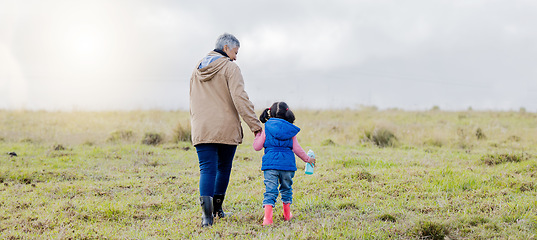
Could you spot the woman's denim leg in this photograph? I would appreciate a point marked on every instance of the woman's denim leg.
(215, 161)
(286, 183)
(226, 153)
(271, 187)
(208, 158)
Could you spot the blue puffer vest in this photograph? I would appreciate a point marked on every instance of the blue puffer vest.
(279, 145)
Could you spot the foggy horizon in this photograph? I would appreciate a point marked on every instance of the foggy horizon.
(135, 55)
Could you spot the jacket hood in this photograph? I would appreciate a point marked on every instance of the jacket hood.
(210, 65)
(281, 129)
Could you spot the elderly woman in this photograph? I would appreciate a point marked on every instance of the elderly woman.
(217, 98)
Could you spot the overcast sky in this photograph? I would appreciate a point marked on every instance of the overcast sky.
(110, 55)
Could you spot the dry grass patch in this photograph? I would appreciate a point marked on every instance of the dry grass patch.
(499, 158)
(182, 133)
(431, 230)
(121, 135)
(381, 137)
(152, 139)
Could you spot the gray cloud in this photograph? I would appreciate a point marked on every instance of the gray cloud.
(336, 54)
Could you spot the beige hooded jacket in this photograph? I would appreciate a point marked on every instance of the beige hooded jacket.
(217, 98)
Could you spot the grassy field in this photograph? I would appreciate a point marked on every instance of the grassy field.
(379, 175)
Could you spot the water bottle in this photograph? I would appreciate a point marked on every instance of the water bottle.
(309, 167)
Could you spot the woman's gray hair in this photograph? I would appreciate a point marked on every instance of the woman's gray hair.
(227, 39)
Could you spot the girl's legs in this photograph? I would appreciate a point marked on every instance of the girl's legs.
(271, 187)
(271, 193)
(267, 219)
(286, 182)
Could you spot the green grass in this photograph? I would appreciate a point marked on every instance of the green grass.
(89, 175)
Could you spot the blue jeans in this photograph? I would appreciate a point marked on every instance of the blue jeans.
(215, 162)
(275, 178)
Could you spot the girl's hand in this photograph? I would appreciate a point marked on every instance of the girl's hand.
(312, 161)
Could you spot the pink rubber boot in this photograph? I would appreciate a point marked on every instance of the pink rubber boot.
(267, 220)
(287, 212)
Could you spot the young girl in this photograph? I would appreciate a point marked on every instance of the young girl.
(279, 141)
